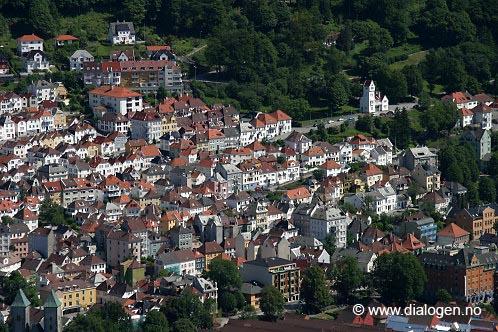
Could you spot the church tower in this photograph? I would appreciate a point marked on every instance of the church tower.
(19, 313)
(52, 313)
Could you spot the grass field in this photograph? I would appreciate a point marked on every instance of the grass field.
(413, 59)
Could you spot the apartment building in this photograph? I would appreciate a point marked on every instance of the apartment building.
(278, 272)
(117, 99)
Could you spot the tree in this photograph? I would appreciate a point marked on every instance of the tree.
(272, 303)
(155, 321)
(348, 277)
(345, 40)
(134, 10)
(227, 276)
(42, 17)
(487, 189)
(188, 306)
(414, 80)
(16, 281)
(392, 83)
(399, 277)
(53, 214)
(87, 322)
(184, 325)
(225, 273)
(443, 295)
(329, 243)
(114, 312)
(339, 95)
(365, 123)
(314, 290)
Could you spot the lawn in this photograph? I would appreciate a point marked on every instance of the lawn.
(186, 45)
(413, 59)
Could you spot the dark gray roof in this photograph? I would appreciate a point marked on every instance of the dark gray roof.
(269, 262)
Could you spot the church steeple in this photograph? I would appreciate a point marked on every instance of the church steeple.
(52, 309)
(19, 312)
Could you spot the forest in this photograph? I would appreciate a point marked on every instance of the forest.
(306, 56)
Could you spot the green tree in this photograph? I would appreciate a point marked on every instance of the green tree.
(184, 325)
(399, 278)
(271, 303)
(348, 277)
(188, 306)
(392, 83)
(414, 80)
(443, 295)
(339, 95)
(155, 321)
(314, 290)
(227, 276)
(87, 322)
(16, 281)
(487, 189)
(42, 16)
(345, 40)
(134, 10)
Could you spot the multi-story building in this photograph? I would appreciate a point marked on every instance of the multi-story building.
(274, 271)
(427, 176)
(42, 240)
(145, 76)
(4, 240)
(418, 156)
(480, 140)
(181, 262)
(74, 294)
(43, 90)
(467, 274)
(114, 122)
(29, 43)
(78, 58)
(146, 125)
(35, 61)
(121, 33)
(77, 189)
(476, 220)
(121, 246)
(116, 99)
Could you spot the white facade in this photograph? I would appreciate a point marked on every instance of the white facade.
(372, 101)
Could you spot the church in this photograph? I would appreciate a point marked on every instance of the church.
(372, 101)
(24, 318)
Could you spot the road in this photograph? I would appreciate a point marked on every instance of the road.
(338, 120)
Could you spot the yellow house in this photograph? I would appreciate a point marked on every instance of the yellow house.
(73, 293)
(91, 148)
(60, 119)
(168, 124)
(210, 250)
(51, 140)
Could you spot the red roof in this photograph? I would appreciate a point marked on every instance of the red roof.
(466, 112)
(371, 170)
(453, 230)
(114, 92)
(29, 38)
(154, 48)
(330, 164)
(65, 38)
(280, 116)
(298, 193)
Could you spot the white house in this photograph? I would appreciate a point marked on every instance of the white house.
(29, 43)
(372, 101)
(146, 125)
(43, 90)
(117, 99)
(79, 57)
(121, 33)
(35, 60)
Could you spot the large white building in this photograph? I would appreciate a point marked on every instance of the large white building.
(117, 99)
(121, 33)
(372, 101)
(29, 43)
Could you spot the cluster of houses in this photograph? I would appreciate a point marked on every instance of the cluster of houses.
(146, 73)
